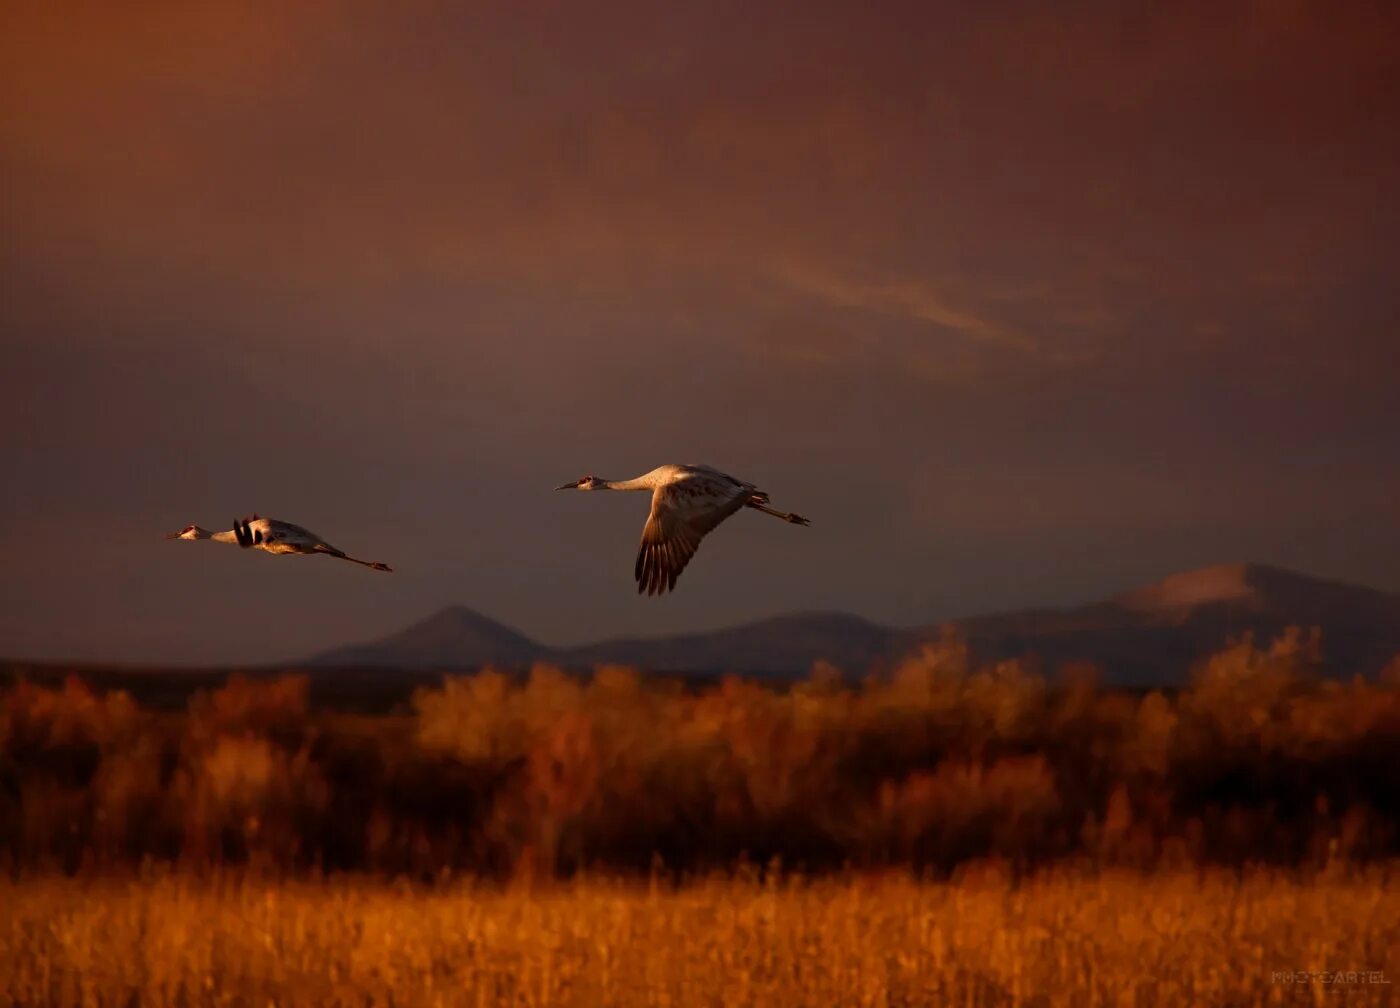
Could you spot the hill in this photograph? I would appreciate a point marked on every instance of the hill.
(452, 637)
(1154, 633)
(1150, 634)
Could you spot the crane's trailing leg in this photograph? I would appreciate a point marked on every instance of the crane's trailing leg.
(373, 565)
(786, 516)
(758, 500)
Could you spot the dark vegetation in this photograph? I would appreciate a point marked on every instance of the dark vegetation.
(928, 765)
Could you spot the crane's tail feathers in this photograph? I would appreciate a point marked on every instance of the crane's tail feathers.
(762, 505)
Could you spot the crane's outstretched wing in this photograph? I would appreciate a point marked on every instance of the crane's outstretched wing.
(281, 531)
(681, 514)
(256, 531)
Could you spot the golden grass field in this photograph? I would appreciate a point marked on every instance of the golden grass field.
(1188, 938)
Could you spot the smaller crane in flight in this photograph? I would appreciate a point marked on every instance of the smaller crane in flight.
(273, 536)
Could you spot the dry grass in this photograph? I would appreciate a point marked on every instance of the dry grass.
(1123, 939)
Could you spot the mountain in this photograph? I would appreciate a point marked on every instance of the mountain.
(1152, 634)
(1262, 590)
(773, 646)
(458, 637)
(454, 637)
(1156, 632)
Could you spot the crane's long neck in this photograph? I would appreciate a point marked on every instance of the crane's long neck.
(640, 483)
(224, 537)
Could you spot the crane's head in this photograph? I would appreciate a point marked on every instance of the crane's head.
(190, 532)
(586, 483)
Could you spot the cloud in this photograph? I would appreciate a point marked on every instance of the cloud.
(907, 299)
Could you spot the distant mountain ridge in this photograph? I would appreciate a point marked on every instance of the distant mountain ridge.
(451, 637)
(1147, 635)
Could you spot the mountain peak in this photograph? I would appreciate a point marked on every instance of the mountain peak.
(458, 617)
(1231, 582)
(453, 636)
(1261, 588)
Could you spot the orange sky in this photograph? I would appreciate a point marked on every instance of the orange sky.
(1018, 309)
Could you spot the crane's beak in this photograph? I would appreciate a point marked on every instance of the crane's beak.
(175, 535)
(569, 486)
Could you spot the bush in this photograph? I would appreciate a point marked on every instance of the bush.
(936, 764)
